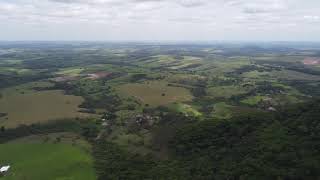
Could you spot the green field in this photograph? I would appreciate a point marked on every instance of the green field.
(33, 107)
(225, 91)
(222, 111)
(254, 100)
(185, 109)
(74, 71)
(46, 162)
(293, 75)
(155, 93)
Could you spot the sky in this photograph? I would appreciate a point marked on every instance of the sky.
(160, 20)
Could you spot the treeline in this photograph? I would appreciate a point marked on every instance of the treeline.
(86, 128)
(252, 145)
(296, 66)
(308, 88)
(97, 94)
(263, 87)
(249, 68)
(7, 80)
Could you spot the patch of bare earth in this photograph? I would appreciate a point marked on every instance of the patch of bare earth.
(311, 61)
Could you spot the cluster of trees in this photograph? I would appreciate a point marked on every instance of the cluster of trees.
(249, 68)
(106, 101)
(3, 114)
(216, 81)
(264, 87)
(97, 94)
(294, 66)
(86, 128)
(309, 88)
(113, 163)
(199, 92)
(138, 77)
(7, 80)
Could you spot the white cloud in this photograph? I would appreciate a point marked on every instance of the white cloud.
(312, 18)
(169, 19)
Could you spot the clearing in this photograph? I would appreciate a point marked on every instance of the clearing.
(25, 106)
(155, 93)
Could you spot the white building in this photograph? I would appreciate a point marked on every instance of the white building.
(4, 169)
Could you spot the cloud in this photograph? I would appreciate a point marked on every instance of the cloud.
(143, 18)
(192, 3)
(259, 6)
(184, 3)
(312, 18)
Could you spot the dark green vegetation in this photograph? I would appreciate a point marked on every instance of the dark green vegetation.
(255, 145)
(223, 111)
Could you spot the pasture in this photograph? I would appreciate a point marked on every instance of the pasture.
(222, 111)
(225, 91)
(294, 75)
(28, 107)
(254, 100)
(155, 93)
(46, 161)
(74, 71)
(186, 109)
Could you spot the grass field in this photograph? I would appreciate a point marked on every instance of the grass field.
(35, 161)
(229, 65)
(19, 71)
(294, 75)
(257, 75)
(155, 93)
(225, 91)
(253, 100)
(33, 107)
(70, 71)
(185, 109)
(222, 111)
(62, 137)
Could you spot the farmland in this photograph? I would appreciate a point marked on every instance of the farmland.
(46, 161)
(26, 106)
(137, 111)
(156, 93)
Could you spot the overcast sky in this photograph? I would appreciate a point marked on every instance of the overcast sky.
(153, 20)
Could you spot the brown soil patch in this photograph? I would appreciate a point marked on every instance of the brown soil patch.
(311, 61)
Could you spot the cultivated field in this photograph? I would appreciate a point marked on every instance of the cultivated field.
(33, 107)
(155, 93)
(225, 91)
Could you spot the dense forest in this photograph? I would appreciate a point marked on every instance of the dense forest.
(255, 145)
